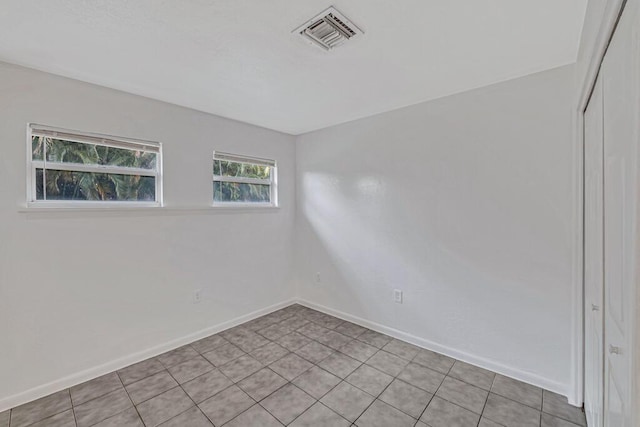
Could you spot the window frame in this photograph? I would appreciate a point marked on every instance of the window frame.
(240, 158)
(82, 137)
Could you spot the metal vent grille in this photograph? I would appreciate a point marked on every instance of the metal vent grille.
(328, 29)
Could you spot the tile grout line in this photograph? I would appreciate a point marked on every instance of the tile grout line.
(73, 406)
(49, 416)
(181, 388)
(486, 401)
(396, 378)
(165, 369)
(302, 373)
(263, 367)
(73, 410)
(541, 411)
(437, 388)
(284, 385)
(277, 390)
(379, 394)
(130, 399)
(226, 388)
(374, 399)
(379, 349)
(436, 391)
(411, 361)
(328, 391)
(361, 364)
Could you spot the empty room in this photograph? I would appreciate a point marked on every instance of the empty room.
(306, 213)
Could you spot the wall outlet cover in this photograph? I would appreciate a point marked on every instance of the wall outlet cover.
(197, 296)
(397, 296)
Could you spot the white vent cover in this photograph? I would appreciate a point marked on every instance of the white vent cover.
(328, 29)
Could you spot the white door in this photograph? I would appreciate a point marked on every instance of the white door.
(593, 259)
(619, 78)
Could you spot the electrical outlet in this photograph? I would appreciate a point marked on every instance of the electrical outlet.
(197, 296)
(397, 296)
(318, 279)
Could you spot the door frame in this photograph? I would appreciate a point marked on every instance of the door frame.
(613, 11)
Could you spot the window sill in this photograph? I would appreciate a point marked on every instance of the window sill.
(145, 210)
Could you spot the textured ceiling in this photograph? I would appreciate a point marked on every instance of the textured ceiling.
(238, 58)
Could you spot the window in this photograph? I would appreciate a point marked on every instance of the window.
(75, 169)
(240, 180)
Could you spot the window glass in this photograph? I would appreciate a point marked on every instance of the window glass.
(62, 151)
(243, 180)
(99, 169)
(240, 192)
(79, 186)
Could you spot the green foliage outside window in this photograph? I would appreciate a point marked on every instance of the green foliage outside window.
(75, 185)
(224, 191)
(242, 170)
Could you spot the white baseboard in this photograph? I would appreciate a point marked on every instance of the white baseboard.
(518, 374)
(91, 373)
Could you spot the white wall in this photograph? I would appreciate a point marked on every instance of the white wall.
(592, 21)
(80, 290)
(450, 201)
(465, 204)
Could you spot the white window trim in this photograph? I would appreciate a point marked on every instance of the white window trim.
(90, 138)
(272, 182)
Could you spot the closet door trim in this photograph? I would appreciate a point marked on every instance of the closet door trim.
(613, 11)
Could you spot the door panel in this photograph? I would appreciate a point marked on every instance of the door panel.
(615, 402)
(617, 242)
(619, 78)
(593, 258)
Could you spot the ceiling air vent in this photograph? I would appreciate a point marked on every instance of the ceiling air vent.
(328, 30)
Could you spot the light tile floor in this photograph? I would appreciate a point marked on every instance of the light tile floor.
(299, 367)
